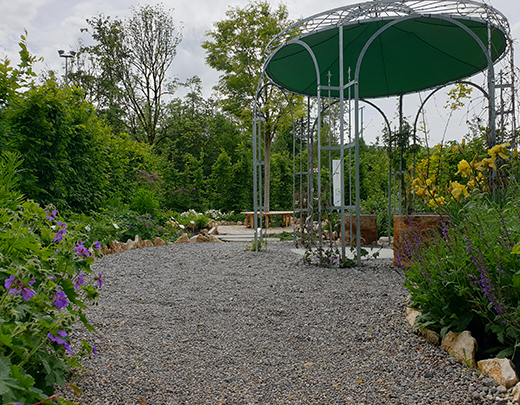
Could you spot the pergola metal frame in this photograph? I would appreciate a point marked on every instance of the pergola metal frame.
(391, 12)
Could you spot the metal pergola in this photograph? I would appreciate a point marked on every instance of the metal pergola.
(356, 53)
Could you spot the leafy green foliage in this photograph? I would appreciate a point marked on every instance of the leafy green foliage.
(467, 276)
(42, 293)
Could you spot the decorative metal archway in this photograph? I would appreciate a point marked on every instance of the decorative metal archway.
(376, 49)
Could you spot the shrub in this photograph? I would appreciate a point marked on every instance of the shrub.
(468, 275)
(45, 286)
(144, 201)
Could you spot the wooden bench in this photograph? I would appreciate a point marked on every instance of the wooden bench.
(287, 217)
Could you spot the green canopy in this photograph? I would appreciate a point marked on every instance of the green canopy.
(414, 54)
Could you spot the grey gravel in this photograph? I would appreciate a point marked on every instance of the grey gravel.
(215, 323)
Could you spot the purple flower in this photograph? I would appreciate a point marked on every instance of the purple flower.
(81, 250)
(78, 281)
(16, 286)
(59, 340)
(59, 235)
(27, 293)
(94, 350)
(99, 279)
(97, 245)
(60, 299)
(51, 215)
(9, 282)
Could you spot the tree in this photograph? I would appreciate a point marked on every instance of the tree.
(130, 61)
(236, 48)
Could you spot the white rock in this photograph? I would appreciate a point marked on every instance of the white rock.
(411, 315)
(516, 393)
(159, 242)
(183, 239)
(462, 346)
(500, 370)
(199, 239)
(214, 239)
(129, 245)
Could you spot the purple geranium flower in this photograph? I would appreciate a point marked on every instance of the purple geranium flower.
(27, 293)
(51, 215)
(78, 281)
(97, 245)
(94, 350)
(59, 236)
(81, 250)
(59, 340)
(60, 299)
(16, 286)
(11, 284)
(99, 279)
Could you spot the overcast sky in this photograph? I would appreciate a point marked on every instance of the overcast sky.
(56, 24)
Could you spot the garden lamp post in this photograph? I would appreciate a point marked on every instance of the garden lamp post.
(65, 55)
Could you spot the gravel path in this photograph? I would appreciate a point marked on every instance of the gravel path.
(215, 323)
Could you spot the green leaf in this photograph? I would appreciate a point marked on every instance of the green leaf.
(516, 280)
(516, 249)
(63, 401)
(26, 381)
(76, 390)
(506, 353)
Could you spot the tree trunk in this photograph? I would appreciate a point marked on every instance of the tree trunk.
(267, 173)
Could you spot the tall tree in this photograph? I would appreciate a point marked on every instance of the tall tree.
(236, 48)
(130, 61)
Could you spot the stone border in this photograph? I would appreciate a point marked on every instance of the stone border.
(462, 347)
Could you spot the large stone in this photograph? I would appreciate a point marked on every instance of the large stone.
(159, 242)
(183, 239)
(199, 239)
(516, 393)
(147, 243)
(500, 370)
(462, 346)
(411, 315)
(138, 242)
(213, 231)
(129, 245)
(214, 239)
(116, 246)
(431, 336)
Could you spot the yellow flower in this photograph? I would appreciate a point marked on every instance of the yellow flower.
(457, 190)
(420, 190)
(485, 163)
(500, 150)
(436, 202)
(464, 168)
(429, 182)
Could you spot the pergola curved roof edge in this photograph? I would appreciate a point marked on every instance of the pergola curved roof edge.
(427, 43)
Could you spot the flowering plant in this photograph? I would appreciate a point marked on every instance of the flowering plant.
(43, 292)
(474, 176)
(468, 275)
